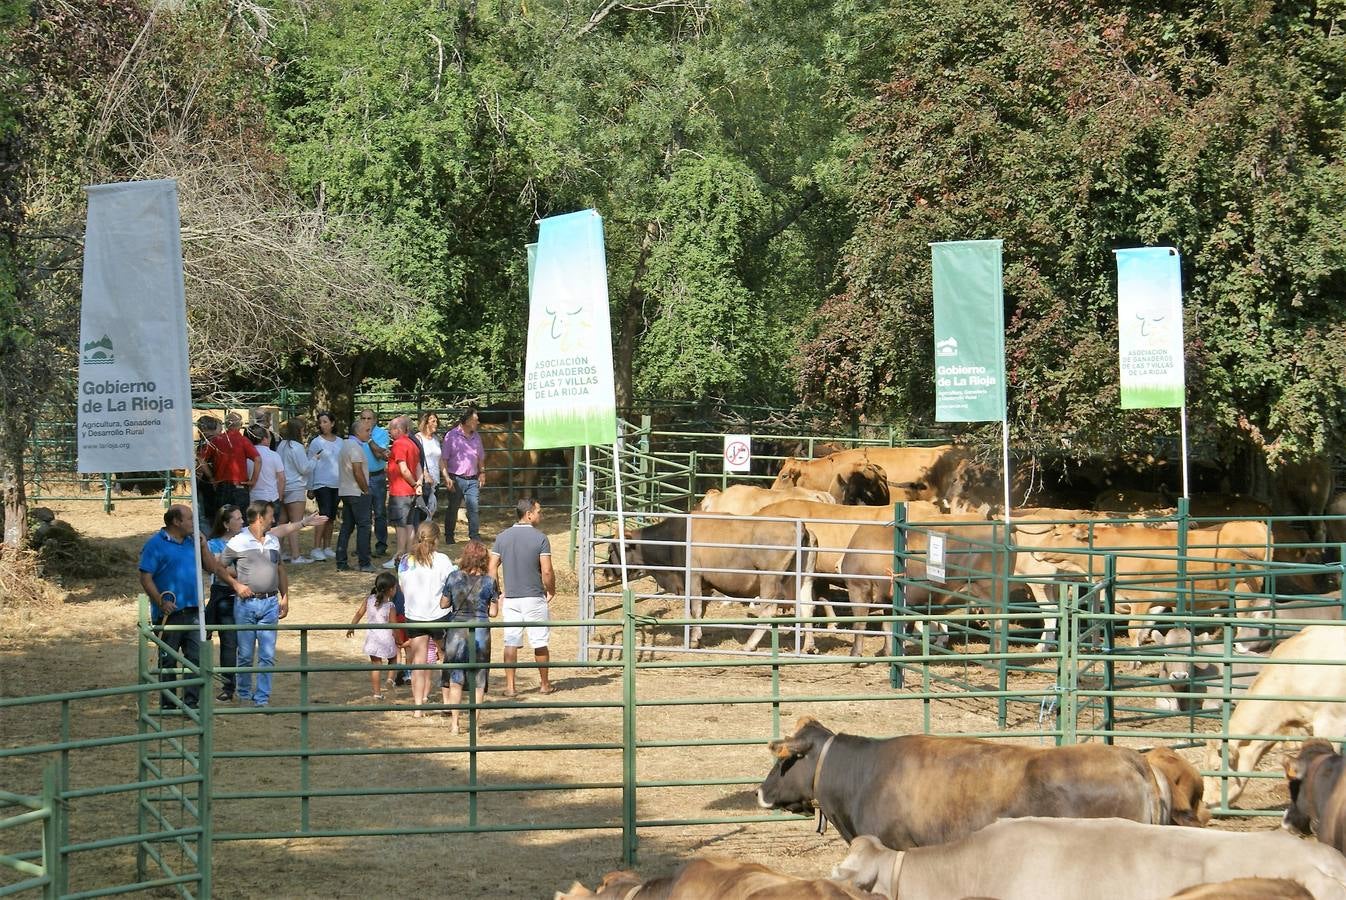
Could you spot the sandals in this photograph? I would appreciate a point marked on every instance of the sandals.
(378, 697)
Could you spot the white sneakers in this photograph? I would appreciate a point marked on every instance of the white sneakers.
(391, 564)
(300, 561)
(321, 553)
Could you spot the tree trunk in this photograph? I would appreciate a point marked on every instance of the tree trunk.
(15, 514)
(629, 327)
(335, 384)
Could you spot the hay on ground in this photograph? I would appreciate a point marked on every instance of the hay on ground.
(21, 581)
(65, 553)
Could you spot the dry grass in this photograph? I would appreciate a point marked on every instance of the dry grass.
(64, 554)
(21, 583)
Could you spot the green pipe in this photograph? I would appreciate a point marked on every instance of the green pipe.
(304, 783)
(629, 835)
(414, 791)
(205, 815)
(398, 751)
(402, 832)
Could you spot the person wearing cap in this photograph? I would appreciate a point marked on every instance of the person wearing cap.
(229, 455)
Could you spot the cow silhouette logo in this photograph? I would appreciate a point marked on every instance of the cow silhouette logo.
(947, 347)
(99, 352)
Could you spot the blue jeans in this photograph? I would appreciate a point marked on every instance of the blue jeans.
(378, 492)
(354, 517)
(250, 611)
(467, 492)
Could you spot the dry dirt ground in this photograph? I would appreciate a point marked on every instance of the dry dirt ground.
(89, 642)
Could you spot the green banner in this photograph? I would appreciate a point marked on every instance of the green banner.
(969, 331)
(1149, 328)
(568, 389)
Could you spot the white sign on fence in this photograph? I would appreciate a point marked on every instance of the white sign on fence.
(737, 453)
(934, 558)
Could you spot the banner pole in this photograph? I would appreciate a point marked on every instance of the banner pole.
(200, 563)
(621, 522)
(1182, 419)
(1005, 464)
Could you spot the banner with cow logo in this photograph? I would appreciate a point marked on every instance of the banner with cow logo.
(568, 388)
(1149, 327)
(969, 331)
(135, 398)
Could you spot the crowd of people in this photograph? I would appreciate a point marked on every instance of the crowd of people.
(254, 487)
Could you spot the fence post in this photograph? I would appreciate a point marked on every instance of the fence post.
(899, 574)
(1109, 592)
(629, 836)
(471, 679)
(303, 731)
(1184, 589)
(60, 878)
(142, 715)
(53, 865)
(205, 848)
(574, 500)
(775, 681)
(1067, 680)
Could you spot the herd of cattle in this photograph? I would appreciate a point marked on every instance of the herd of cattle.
(827, 524)
(937, 817)
(944, 818)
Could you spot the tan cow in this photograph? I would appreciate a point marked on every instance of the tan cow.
(746, 499)
(722, 879)
(1033, 527)
(1321, 688)
(1070, 859)
(1183, 784)
(1147, 556)
(510, 469)
(905, 469)
(853, 481)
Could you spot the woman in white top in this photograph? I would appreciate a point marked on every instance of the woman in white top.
(324, 481)
(297, 469)
(429, 440)
(421, 575)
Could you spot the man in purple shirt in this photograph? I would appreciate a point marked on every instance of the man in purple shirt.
(462, 464)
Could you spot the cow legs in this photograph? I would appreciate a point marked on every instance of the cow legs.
(1049, 612)
(697, 607)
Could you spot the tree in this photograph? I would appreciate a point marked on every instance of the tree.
(1070, 130)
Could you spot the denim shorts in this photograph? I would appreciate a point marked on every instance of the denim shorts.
(399, 510)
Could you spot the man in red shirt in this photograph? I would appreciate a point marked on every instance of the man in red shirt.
(228, 456)
(404, 483)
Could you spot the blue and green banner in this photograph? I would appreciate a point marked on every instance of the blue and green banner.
(1149, 327)
(969, 331)
(568, 388)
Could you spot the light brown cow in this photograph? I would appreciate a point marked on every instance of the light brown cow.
(1321, 709)
(719, 878)
(1068, 859)
(904, 467)
(510, 469)
(852, 481)
(1183, 783)
(746, 499)
(1032, 527)
(1147, 556)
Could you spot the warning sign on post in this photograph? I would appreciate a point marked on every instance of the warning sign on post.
(737, 453)
(934, 558)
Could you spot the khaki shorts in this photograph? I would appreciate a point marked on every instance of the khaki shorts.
(525, 609)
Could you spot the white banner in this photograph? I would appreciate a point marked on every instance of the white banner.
(134, 408)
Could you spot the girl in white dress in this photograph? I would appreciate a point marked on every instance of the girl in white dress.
(377, 609)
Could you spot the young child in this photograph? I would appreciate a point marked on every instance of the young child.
(377, 609)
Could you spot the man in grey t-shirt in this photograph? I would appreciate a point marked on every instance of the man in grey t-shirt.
(530, 585)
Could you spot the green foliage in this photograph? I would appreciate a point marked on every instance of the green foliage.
(1070, 130)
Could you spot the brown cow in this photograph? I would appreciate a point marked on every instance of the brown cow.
(1223, 552)
(509, 467)
(740, 557)
(904, 467)
(722, 879)
(1070, 859)
(1184, 786)
(851, 481)
(918, 790)
(1321, 708)
(746, 499)
(970, 569)
(1317, 794)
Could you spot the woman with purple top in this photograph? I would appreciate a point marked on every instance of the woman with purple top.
(462, 463)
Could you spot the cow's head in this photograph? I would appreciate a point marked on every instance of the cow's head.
(615, 885)
(1301, 817)
(790, 471)
(864, 484)
(710, 500)
(1185, 787)
(869, 866)
(634, 557)
(789, 784)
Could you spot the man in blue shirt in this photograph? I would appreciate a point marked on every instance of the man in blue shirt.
(376, 462)
(168, 575)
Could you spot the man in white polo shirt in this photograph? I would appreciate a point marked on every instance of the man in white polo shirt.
(530, 585)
